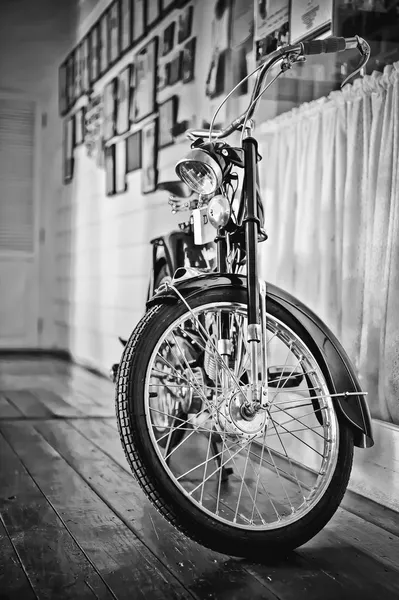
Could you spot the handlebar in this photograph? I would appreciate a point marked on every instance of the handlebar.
(313, 47)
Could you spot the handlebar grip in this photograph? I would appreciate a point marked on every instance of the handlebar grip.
(331, 44)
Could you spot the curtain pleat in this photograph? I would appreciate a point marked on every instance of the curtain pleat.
(330, 182)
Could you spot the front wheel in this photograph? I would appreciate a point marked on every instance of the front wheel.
(289, 464)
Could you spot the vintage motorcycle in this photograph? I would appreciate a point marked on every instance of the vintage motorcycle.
(237, 408)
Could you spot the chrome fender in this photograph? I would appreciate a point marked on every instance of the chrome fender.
(334, 361)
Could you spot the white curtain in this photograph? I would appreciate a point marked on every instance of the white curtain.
(330, 182)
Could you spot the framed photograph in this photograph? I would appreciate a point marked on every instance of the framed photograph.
(188, 61)
(168, 38)
(126, 24)
(110, 91)
(120, 167)
(167, 121)
(149, 173)
(138, 19)
(114, 32)
(309, 18)
(162, 80)
(79, 127)
(122, 101)
(109, 160)
(94, 63)
(133, 152)
(103, 43)
(63, 89)
(131, 93)
(77, 71)
(145, 80)
(185, 24)
(68, 145)
(173, 69)
(85, 64)
(153, 12)
(167, 5)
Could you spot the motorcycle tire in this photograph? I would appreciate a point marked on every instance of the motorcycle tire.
(212, 520)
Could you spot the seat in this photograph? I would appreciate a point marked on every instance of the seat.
(176, 188)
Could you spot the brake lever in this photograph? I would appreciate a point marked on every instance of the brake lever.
(364, 50)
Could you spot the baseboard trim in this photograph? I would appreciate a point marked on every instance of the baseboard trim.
(36, 352)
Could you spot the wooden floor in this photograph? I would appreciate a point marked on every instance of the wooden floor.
(74, 523)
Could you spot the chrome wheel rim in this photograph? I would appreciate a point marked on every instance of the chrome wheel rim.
(283, 462)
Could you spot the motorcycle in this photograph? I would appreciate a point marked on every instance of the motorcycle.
(238, 410)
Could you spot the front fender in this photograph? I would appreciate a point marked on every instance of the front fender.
(334, 361)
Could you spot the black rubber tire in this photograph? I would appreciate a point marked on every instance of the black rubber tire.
(152, 477)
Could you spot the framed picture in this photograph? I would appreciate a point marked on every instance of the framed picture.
(94, 63)
(167, 121)
(63, 89)
(120, 167)
(133, 152)
(132, 93)
(85, 64)
(173, 69)
(168, 38)
(77, 73)
(162, 80)
(185, 24)
(145, 81)
(167, 5)
(113, 32)
(109, 109)
(309, 18)
(153, 12)
(103, 43)
(71, 79)
(122, 101)
(68, 145)
(149, 173)
(126, 24)
(109, 160)
(138, 19)
(79, 127)
(188, 61)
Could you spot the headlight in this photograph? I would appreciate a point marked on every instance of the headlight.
(201, 172)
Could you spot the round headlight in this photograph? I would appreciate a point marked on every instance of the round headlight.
(201, 172)
(219, 211)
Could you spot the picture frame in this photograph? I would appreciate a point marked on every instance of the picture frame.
(77, 73)
(309, 18)
(79, 127)
(167, 121)
(94, 58)
(188, 61)
(149, 173)
(103, 43)
(138, 20)
(185, 24)
(162, 76)
(109, 162)
(173, 69)
(110, 92)
(63, 89)
(71, 79)
(120, 167)
(123, 101)
(145, 67)
(167, 5)
(132, 93)
(125, 24)
(85, 62)
(153, 12)
(113, 32)
(68, 146)
(133, 152)
(168, 38)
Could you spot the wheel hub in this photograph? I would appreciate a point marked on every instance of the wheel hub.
(235, 419)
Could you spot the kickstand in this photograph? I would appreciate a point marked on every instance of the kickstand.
(226, 471)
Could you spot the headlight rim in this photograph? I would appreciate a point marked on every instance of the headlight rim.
(200, 155)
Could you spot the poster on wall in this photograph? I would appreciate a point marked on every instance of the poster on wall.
(149, 158)
(122, 101)
(153, 12)
(126, 24)
(103, 43)
(93, 126)
(71, 79)
(109, 159)
(85, 64)
(145, 81)
(133, 152)
(68, 145)
(94, 66)
(309, 18)
(78, 73)
(113, 33)
(138, 19)
(271, 26)
(109, 110)
(62, 89)
(215, 81)
(167, 121)
(120, 167)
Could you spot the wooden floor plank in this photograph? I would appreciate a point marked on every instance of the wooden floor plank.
(12, 574)
(372, 512)
(123, 561)
(51, 558)
(56, 404)
(8, 410)
(27, 403)
(303, 581)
